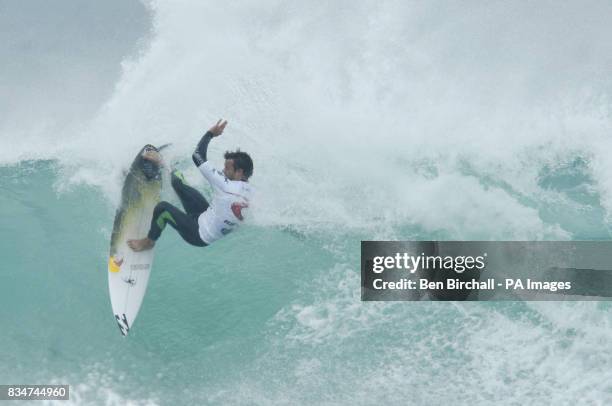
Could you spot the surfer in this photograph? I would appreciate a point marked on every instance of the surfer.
(203, 223)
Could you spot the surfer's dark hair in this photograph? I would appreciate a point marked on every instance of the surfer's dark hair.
(242, 160)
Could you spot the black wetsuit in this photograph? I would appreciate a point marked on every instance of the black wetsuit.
(194, 203)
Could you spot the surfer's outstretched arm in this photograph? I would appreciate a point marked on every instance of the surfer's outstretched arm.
(215, 177)
(199, 155)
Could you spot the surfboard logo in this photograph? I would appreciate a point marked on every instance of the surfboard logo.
(114, 264)
(122, 322)
(130, 281)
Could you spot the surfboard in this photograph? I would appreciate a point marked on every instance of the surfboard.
(129, 271)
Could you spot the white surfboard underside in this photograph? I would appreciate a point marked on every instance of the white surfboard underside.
(128, 286)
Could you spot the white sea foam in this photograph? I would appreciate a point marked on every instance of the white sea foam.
(328, 349)
(98, 386)
(366, 116)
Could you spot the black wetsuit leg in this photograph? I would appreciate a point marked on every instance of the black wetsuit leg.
(186, 225)
(192, 200)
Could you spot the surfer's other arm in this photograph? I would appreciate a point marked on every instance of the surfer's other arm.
(199, 155)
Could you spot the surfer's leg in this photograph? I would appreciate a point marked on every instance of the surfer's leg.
(187, 226)
(192, 200)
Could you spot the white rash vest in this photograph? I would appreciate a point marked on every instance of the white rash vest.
(226, 210)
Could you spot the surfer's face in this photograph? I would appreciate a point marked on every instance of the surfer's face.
(230, 171)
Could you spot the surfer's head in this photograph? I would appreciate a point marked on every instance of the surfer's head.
(238, 165)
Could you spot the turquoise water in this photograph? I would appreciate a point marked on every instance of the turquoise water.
(385, 120)
(203, 311)
(269, 316)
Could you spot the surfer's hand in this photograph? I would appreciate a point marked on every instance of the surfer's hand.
(217, 129)
(154, 157)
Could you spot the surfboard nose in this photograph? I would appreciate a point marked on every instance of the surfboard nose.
(149, 147)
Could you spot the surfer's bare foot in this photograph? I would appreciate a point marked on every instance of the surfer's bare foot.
(141, 245)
